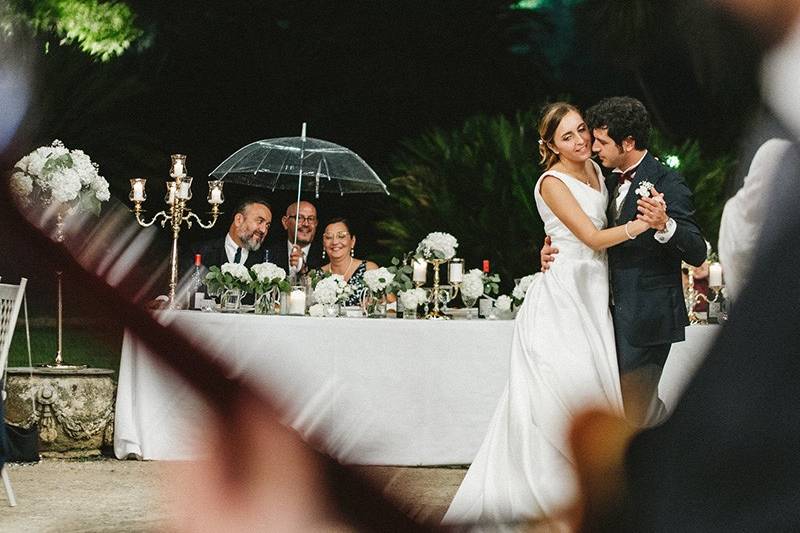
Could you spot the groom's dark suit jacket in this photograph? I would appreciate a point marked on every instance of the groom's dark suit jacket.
(645, 275)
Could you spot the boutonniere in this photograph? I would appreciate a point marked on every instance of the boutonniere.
(643, 191)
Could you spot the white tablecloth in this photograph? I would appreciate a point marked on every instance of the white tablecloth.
(388, 391)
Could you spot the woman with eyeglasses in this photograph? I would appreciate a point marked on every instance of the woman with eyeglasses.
(338, 246)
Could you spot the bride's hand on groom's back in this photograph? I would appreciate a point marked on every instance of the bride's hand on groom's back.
(547, 254)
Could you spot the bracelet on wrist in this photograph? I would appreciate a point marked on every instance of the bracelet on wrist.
(628, 233)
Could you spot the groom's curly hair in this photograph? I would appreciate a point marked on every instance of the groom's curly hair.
(624, 117)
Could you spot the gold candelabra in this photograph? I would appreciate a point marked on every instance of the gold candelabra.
(179, 192)
(440, 294)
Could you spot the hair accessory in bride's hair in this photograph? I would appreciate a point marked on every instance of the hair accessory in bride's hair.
(541, 142)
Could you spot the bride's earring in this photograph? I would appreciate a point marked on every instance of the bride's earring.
(323, 253)
(352, 252)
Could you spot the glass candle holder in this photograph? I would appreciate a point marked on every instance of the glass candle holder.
(138, 193)
(178, 166)
(169, 198)
(215, 196)
(184, 188)
(455, 270)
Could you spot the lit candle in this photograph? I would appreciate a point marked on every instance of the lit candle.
(297, 302)
(455, 273)
(138, 191)
(170, 193)
(715, 275)
(216, 196)
(183, 194)
(420, 271)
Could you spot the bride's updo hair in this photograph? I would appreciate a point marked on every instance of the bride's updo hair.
(550, 119)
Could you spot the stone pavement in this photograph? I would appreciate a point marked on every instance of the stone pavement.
(105, 495)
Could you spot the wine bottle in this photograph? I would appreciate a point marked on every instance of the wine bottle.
(197, 293)
(484, 303)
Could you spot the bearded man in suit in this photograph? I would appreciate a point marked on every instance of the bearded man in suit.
(242, 244)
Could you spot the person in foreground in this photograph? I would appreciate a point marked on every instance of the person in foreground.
(645, 274)
(563, 358)
(339, 244)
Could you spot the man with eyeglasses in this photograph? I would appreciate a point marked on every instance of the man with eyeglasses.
(242, 244)
(298, 257)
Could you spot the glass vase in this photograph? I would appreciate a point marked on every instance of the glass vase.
(231, 300)
(265, 303)
(410, 314)
(374, 305)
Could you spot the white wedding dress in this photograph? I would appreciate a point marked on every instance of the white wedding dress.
(563, 360)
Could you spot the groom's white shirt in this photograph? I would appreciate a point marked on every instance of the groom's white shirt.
(622, 192)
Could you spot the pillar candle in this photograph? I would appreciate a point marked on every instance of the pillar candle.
(216, 196)
(138, 192)
(183, 194)
(715, 275)
(178, 169)
(297, 302)
(456, 272)
(420, 270)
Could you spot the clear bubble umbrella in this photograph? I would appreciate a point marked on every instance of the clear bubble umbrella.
(302, 164)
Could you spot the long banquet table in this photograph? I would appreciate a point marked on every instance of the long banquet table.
(373, 391)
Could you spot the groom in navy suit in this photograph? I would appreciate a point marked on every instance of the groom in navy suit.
(645, 273)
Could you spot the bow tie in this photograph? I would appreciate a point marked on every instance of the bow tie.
(627, 175)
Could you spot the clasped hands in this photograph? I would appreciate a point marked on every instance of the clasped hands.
(653, 210)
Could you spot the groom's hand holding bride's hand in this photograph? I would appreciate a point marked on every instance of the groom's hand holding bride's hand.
(653, 210)
(547, 254)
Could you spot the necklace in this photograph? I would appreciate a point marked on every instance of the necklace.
(346, 270)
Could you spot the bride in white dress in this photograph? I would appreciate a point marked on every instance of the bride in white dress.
(563, 358)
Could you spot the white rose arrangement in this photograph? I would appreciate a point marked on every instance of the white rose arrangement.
(412, 298)
(331, 290)
(56, 175)
(378, 280)
(437, 245)
(316, 310)
(472, 284)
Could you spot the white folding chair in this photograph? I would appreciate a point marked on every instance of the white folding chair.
(10, 303)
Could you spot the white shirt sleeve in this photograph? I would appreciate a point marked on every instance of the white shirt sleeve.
(744, 215)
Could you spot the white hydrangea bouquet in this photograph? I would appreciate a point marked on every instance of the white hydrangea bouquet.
(477, 283)
(56, 175)
(411, 299)
(228, 277)
(378, 280)
(332, 290)
(437, 245)
(268, 281)
(472, 287)
(521, 289)
(267, 277)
